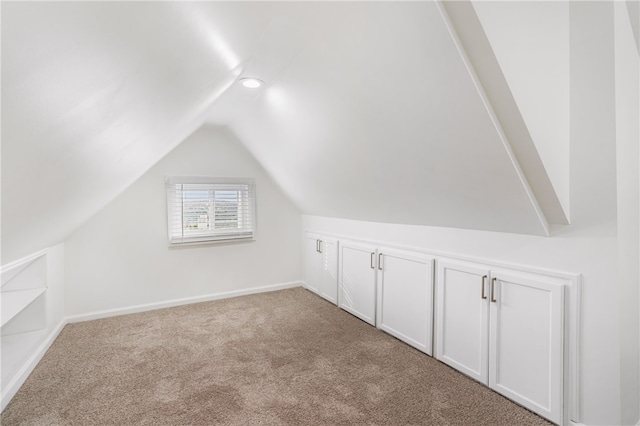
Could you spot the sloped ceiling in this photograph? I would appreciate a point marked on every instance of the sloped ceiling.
(369, 111)
(633, 7)
(520, 54)
(530, 41)
(378, 118)
(95, 93)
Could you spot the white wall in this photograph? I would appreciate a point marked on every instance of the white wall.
(589, 250)
(120, 257)
(530, 40)
(589, 246)
(44, 317)
(627, 78)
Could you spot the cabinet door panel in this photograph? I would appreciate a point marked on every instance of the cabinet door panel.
(526, 349)
(329, 270)
(312, 264)
(358, 280)
(405, 297)
(462, 318)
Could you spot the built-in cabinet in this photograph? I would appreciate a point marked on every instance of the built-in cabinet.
(504, 329)
(389, 288)
(357, 280)
(405, 296)
(462, 323)
(321, 266)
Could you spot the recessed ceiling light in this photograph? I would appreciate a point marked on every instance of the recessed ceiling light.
(251, 83)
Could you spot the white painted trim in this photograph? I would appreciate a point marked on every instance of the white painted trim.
(573, 365)
(177, 302)
(21, 376)
(22, 261)
(212, 180)
(27, 368)
(574, 352)
(439, 253)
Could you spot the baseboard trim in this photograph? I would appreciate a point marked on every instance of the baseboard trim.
(21, 376)
(178, 302)
(27, 368)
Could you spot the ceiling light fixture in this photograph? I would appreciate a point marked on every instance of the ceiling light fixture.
(251, 83)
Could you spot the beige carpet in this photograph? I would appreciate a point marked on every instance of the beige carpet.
(286, 357)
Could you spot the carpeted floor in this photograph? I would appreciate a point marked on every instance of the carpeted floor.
(286, 357)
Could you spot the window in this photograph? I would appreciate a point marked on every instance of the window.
(210, 209)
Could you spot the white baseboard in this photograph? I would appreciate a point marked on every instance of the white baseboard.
(23, 373)
(21, 376)
(178, 302)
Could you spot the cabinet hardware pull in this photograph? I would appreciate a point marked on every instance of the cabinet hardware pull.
(319, 246)
(380, 261)
(493, 284)
(373, 255)
(484, 278)
(317, 241)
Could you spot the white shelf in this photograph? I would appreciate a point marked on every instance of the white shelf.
(14, 302)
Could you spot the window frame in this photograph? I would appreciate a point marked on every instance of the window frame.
(211, 237)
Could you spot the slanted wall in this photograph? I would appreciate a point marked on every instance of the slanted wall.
(588, 246)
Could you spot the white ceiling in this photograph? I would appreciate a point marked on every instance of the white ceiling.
(369, 110)
(95, 93)
(633, 8)
(378, 118)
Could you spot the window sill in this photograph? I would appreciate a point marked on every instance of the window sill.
(196, 244)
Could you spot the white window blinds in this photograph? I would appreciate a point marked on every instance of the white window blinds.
(210, 209)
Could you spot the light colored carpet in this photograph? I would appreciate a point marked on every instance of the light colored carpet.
(286, 357)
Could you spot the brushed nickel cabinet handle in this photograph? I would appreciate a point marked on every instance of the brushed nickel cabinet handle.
(493, 285)
(319, 246)
(373, 255)
(380, 261)
(484, 279)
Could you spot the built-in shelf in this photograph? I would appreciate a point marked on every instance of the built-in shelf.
(14, 302)
(21, 283)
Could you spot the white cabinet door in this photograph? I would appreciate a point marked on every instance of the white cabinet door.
(526, 345)
(462, 317)
(328, 269)
(405, 296)
(312, 263)
(357, 283)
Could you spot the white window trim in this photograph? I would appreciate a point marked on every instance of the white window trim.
(220, 238)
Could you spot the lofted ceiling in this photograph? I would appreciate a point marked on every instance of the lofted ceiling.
(371, 111)
(379, 118)
(95, 93)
